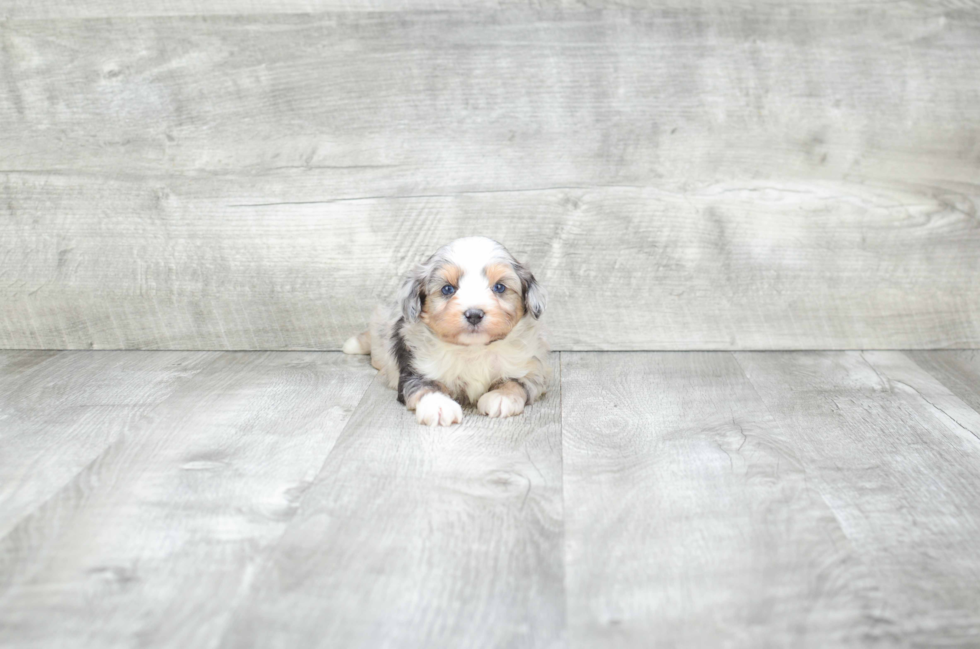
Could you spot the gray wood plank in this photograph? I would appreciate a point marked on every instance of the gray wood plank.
(51, 9)
(421, 537)
(423, 101)
(61, 410)
(959, 371)
(899, 468)
(902, 372)
(736, 178)
(726, 267)
(18, 365)
(690, 519)
(152, 544)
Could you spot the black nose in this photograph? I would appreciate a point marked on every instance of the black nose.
(473, 316)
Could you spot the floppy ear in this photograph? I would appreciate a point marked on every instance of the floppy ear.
(412, 295)
(534, 295)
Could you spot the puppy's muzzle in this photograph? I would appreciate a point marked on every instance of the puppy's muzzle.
(473, 316)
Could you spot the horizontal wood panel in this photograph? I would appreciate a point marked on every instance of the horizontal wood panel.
(732, 267)
(422, 101)
(682, 178)
(51, 9)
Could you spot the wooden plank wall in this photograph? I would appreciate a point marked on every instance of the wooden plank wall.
(244, 175)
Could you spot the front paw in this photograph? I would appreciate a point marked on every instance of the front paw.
(437, 409)
(498, 403)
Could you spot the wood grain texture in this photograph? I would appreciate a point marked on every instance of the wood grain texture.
(724, 177)
(904, 373)
(51, 9)
(726, 267)
(156, 539)
(690, 519)
(958, 371)
(879, 437)
(419, 537)
(60, 411)
(670, 499)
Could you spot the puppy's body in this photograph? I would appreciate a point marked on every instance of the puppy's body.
(466, 330)
(465, 371)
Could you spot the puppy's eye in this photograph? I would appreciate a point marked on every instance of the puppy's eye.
(499, 288)
(448, 290)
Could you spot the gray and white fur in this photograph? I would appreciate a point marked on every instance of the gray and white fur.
(464, 329)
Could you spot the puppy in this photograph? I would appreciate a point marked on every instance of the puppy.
(464, 330)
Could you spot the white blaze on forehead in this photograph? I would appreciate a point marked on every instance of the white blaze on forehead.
(474, 250)
(472, 255)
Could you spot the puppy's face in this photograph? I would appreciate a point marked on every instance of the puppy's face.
(473, 306)
(472, 292)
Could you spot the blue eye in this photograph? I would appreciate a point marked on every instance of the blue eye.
(499, 288)
(448, 290)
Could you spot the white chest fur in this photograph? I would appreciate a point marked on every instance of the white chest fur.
(470, 370)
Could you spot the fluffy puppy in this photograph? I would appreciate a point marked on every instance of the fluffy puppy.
(464, 330)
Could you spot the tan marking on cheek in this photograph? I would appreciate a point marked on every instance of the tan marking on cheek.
(498, 321)
(512, 302)
(511, 308)
(445, 318)
(438, 310)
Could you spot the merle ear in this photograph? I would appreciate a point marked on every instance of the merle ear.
(534, 295)
(412, 295)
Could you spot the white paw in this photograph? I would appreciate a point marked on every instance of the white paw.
(437, 409)
(497, 403)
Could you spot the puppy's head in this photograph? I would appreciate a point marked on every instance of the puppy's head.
(471, 292)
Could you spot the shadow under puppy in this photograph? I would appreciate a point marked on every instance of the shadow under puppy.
(464, 330)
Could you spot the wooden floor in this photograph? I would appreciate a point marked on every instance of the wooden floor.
(284, 499)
